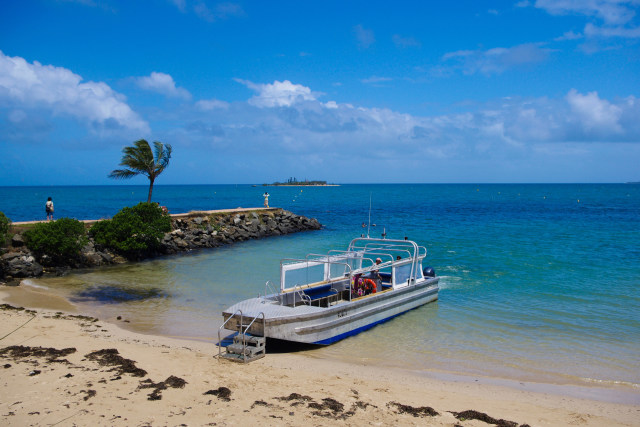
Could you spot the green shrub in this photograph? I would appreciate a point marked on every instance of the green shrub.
(133, 232)
(61, 240)
(5, 224)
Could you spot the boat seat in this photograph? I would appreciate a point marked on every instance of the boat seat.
(320, 292)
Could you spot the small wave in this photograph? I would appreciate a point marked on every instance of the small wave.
(611, 382)
(29, 282)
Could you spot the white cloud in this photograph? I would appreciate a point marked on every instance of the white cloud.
(612, 12)
(180, 4)
(496, 60)
(163, 84)
(278, 94)
(509, 124)
(591, 30)
(594, 113)
(616, 15)
(364, 36)
(569, 35)
(376, 79)
(211, 104)
(211, 14)
(61, 92)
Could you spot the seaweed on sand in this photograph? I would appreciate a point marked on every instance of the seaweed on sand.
(223, 393)
(422, 411)
(111, 357)
(481, 416)
(172, 381)
(51, 354)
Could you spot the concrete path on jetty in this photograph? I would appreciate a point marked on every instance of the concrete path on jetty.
(174, 216)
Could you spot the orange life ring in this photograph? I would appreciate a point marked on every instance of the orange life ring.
(370, 285)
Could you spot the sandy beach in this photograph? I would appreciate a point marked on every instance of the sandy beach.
(60, 367)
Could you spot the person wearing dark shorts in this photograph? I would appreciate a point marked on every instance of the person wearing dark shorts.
(48, 208)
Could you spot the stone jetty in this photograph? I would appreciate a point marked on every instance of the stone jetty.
(190, 231)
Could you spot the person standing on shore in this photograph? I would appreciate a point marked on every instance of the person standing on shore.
(266, 199)
(48, 208)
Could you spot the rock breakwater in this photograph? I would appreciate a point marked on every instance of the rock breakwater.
(195, 230)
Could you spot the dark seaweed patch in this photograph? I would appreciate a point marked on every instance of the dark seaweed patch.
(90, 394)
(111, 357)
(422, 411)
(8, 307)
(260, 403)
(109, 294)
(295, 396)
(475, 415)
(223, 393)
(51, 354)
(171, 381)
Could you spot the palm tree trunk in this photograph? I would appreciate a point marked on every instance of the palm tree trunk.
(150, 189)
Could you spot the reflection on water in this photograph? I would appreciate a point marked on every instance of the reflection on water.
(115, 294)
(182, 295)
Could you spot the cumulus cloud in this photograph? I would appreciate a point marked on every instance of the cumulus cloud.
(208, 13)
(616, 15)
(364, 36)
(591, 30)
(496, 60)
(376, 80)
(163, 84)
(59, 92)
(612, 12)
(211, 104)
(303, 125)
(278, 94)
(593, 113)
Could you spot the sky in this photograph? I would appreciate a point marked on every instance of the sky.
(521, 91)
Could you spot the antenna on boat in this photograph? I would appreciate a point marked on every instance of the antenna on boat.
(369, 224)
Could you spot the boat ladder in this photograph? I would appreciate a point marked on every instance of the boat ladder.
(246, 347)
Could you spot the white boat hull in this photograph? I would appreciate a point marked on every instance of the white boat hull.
(325, 325)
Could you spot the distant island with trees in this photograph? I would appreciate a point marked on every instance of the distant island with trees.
(294, 183)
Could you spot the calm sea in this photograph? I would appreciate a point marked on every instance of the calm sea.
(538, 282)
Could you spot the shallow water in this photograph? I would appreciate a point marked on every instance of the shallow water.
(538, 282)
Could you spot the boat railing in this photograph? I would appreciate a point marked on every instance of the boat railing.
(246, 330)
(303, 297)
(270, 289)
(379, 244)
(222, 327)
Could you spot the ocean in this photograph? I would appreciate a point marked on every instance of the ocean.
(538, 282)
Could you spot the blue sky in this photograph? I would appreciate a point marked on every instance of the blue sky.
(343, 91)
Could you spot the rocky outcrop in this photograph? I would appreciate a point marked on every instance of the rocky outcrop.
(19, 264)
(189, 232)
(201, 231)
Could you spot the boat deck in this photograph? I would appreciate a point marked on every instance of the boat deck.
(272, 309)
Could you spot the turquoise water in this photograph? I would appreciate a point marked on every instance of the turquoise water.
(538, 282)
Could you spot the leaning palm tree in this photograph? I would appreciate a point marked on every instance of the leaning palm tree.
(141, 161)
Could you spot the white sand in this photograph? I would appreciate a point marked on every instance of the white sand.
(35, 391)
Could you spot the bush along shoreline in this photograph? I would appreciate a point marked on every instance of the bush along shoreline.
(133, 234)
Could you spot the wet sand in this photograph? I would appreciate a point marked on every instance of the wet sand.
(61, 367)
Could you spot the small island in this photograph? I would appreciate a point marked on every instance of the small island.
(293, 182)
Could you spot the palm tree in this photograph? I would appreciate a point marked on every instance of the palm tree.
(140, 160)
